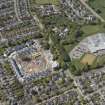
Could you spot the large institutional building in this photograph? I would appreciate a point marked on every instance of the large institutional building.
(32, 62)
(94, 44)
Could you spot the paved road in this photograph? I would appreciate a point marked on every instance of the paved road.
(35, 17)
(38, 22)
(89, 8)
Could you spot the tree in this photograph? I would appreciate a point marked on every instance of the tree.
(79, 33)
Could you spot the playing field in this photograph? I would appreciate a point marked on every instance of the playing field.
(88, 59)
(54, 2)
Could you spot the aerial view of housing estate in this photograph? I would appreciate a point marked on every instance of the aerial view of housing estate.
(52, 52)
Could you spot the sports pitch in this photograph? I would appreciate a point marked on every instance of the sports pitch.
(42, 2)
(88, 59)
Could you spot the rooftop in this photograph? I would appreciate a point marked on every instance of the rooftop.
(31, 61)
(94, 44)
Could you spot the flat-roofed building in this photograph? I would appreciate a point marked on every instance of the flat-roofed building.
(94, 44)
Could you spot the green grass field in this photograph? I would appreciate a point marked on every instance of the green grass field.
(100, 60)
(98, 5)
(42, 2)
(80, 67)
(93, 29)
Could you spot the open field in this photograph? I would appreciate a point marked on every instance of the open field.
(88, 59)
(42, 2)
(100, 60)
(80, 65)
(93, 29)
(98, 6)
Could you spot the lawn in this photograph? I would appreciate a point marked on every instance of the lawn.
(100, 60)
(98, 6)
(87, 62)
(42, 2)
(92, 29)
